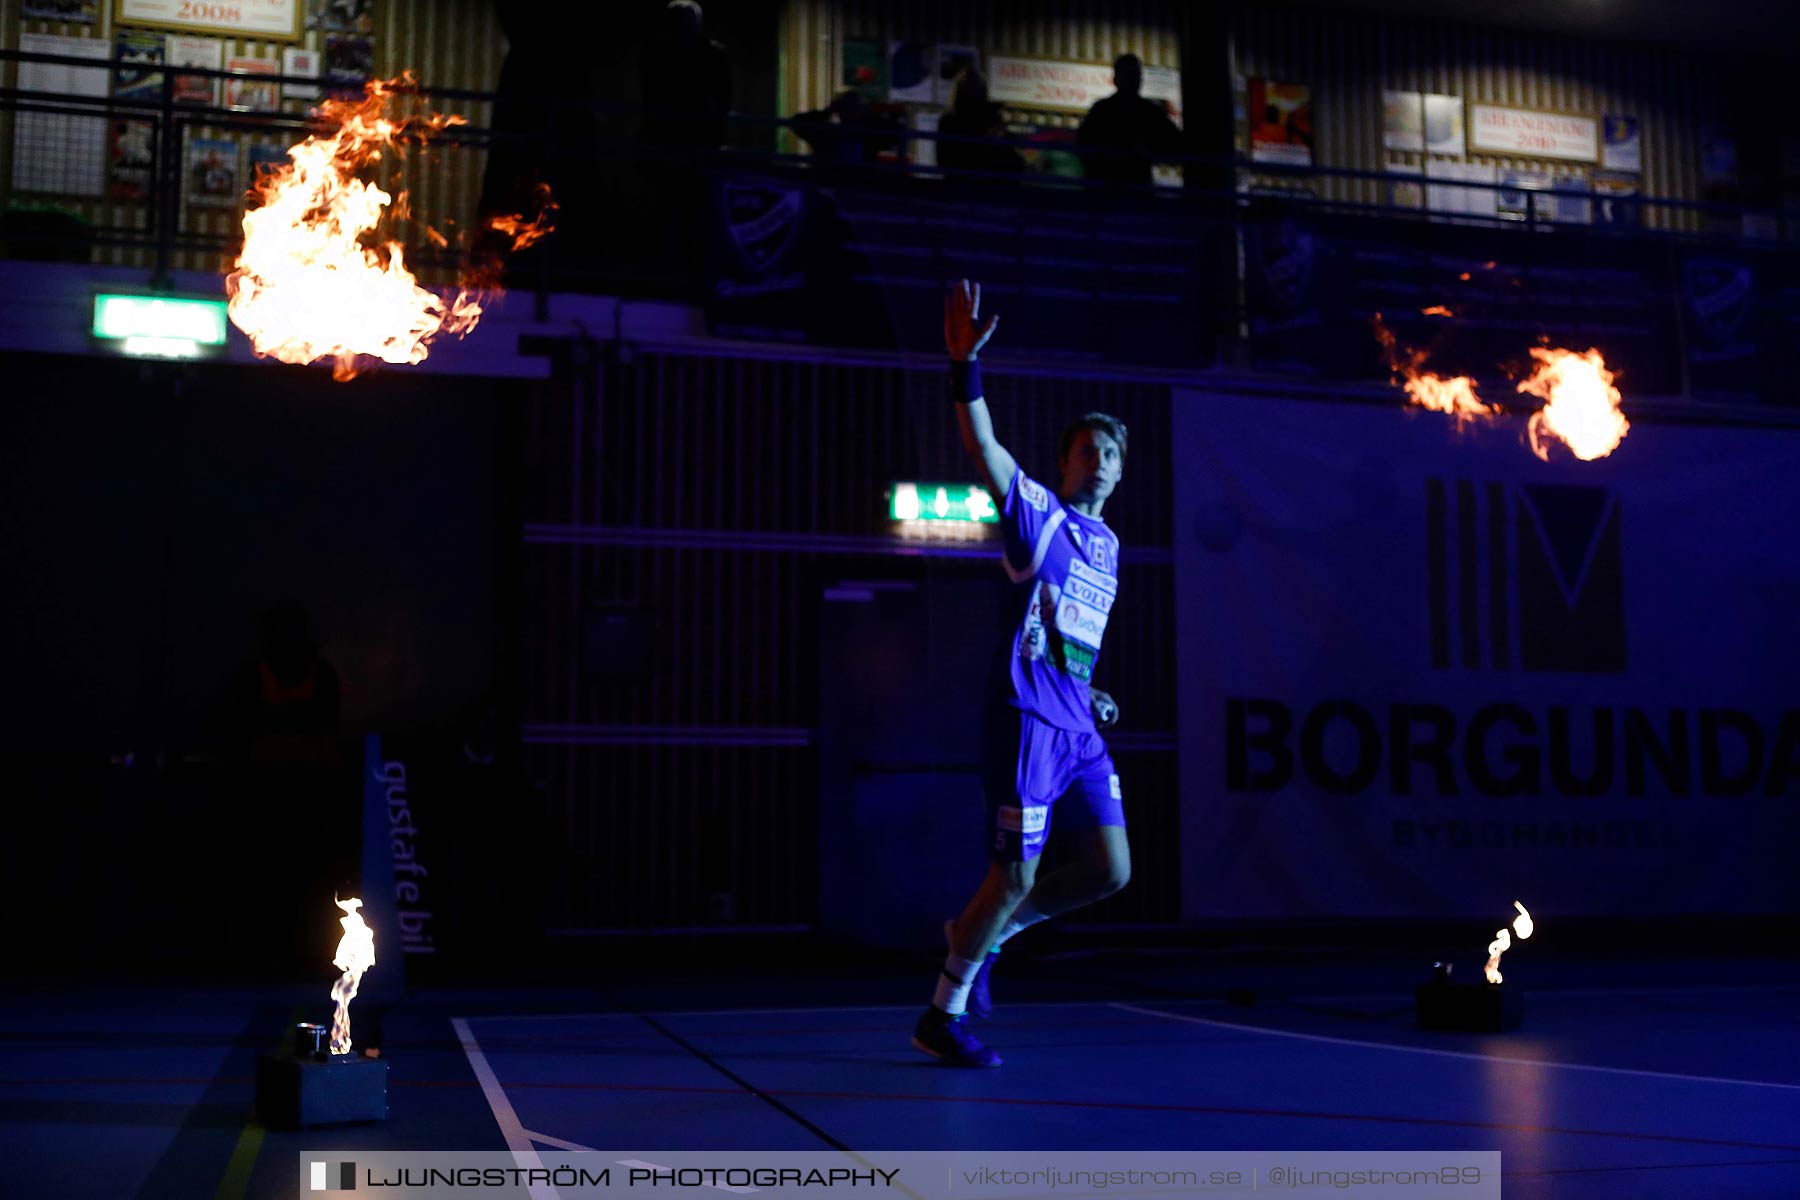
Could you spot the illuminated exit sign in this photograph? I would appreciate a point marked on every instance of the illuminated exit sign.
(958, 502)
(159, 326)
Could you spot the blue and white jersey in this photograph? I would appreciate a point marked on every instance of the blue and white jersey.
(1065, 570)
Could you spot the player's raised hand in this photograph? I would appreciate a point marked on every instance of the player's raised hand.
(964, 332)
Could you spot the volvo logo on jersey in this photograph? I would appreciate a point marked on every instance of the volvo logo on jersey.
(1543, 560)
(1082, 611)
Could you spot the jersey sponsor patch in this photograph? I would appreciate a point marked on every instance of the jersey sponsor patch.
(1033, 641)
(1076, 659)
(1094, 578)
(1100, 553)
(1085, 604)
(1080, 622)
(1033, 493)
(1112, 783)
(1030, 819)
(1084, 592)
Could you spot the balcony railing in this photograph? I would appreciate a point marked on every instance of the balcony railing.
(1280, 269)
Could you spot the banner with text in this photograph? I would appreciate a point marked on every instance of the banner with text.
(915, 1174)
(1072, 86)
(1532, 134)
(1425, 674)
(277, 20)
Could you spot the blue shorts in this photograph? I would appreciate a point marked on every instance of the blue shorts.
(1031, 766)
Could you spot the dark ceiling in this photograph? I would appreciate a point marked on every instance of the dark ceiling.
(1754, 28)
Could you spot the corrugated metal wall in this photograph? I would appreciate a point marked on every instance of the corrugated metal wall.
(1351, 58)
(813, 33)
(446, 43)
(718, 496)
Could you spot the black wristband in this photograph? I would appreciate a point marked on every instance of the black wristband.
(965, 381)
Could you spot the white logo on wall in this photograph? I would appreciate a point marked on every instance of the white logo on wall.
(762, 221)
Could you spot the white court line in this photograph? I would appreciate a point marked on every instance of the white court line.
(1486, 1058)
(757, 1012)
(545, 1138)
(920, 1007)
(517, 1140)
(1587, 992)
(587, 1016)
(753, 1012)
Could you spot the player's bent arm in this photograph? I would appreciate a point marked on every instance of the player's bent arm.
(996, 463)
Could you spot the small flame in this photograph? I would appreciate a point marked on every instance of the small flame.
(1464, 277)
(1437, 310)
(316, 280)
(1500, 945)
(1455, 396)
(1522, 925)
(1581, 407)
(355, 954)
(524, 232)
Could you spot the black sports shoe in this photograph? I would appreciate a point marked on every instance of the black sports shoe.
(949, 1040)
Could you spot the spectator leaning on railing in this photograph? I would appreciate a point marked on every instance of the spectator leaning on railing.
(849, 130)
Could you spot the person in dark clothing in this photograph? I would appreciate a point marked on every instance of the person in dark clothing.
(972, 114)
(301, 803)
(288, 699)
(686, 93)
(849, 130)
(544, 134)
(1126, 132)
(686, 82)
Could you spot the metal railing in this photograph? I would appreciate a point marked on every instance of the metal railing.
(642, 218)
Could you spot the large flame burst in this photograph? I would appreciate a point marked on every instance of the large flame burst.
(316, 279)
(1581, 405)
(1455, 396)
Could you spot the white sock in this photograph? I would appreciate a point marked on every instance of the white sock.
(1024, 917)
(953, 985)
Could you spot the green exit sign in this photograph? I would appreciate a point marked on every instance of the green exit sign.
(159, 326)
(962, 502)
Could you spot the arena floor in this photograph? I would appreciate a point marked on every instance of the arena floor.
(1668, 1079)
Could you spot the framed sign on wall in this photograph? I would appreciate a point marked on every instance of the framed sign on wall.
(268, 20)
(1071, 87)
(1528, 133)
